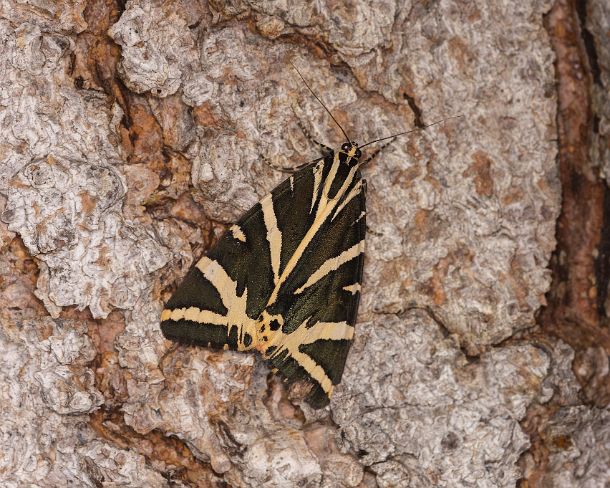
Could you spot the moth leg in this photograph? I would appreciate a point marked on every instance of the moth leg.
(304, 165)
(289, 169)
(370, 230)
(376, 152)
(326, 150)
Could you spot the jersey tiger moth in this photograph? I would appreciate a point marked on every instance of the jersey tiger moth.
(285, 279)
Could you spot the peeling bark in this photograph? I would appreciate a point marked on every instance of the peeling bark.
(133, 134)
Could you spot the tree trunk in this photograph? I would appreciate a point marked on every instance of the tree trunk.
(133, 135)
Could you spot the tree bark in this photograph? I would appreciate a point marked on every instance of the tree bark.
(133, 135)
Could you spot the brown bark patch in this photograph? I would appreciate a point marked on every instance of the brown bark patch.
(154, 446)
(480, 169)
(573, 313)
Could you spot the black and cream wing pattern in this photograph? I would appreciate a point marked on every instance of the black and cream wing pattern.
(285, 279)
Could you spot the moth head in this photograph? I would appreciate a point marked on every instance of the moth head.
(350, 153)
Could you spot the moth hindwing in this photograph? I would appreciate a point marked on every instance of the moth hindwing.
(285, 279)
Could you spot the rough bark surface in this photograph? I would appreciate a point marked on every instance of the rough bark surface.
(132, 134)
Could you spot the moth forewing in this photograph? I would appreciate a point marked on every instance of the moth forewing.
(285, 279)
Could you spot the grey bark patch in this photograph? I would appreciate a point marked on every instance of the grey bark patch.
(45, 410)
(578, 438)
(409, 396)
(67, 215)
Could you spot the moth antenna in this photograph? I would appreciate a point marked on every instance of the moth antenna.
(321, 103)
(412, 130)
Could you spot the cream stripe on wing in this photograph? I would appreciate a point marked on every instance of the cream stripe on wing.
(274, 236)
(353, 289)
(314, 370)
(215, 274)
(362, 214)
(328, 181)
(235, 305)
(317, 179)
(194, 314)
(334, 331)
(238, 233)
(332, 264)
(353, 192)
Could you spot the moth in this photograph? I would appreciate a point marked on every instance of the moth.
(285, 279)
